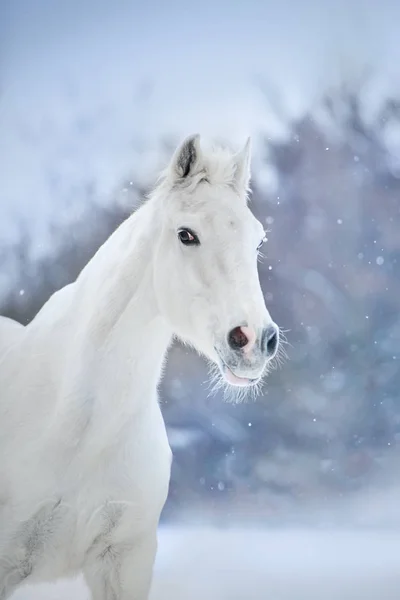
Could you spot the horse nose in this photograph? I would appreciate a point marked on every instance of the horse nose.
(270, 340)
(242, 338)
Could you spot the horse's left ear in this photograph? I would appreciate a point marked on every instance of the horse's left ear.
(187, 158)
(242, 173)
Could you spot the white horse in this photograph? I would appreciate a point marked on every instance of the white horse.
(85, 460)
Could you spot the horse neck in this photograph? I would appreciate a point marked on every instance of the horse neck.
(120, 332)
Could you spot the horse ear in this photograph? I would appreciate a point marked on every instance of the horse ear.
(187, 157)
(242, 173)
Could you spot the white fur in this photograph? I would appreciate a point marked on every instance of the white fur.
(85, 460)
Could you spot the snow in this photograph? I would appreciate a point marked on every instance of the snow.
(89, 93)
(89, 90)
(247, 564)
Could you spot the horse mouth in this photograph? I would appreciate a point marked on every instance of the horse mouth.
(237, 381)
(233, 379)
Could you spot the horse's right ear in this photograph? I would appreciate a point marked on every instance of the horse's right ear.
(187, 158)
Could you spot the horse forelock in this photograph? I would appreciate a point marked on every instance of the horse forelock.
(218, 168)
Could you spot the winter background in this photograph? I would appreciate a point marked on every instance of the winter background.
(295, 496)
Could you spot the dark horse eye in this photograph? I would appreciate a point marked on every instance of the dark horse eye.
(188, 237)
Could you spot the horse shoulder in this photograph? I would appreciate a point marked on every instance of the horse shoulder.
(145, 463)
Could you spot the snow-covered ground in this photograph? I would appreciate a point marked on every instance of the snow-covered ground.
(243, 564)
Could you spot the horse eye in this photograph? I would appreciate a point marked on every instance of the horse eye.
(188, 237)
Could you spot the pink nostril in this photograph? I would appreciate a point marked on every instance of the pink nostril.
(251, 339)
(242, 338)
